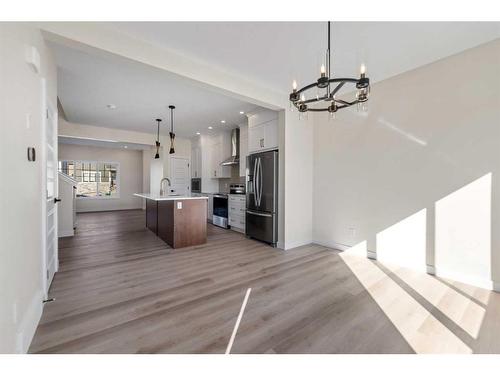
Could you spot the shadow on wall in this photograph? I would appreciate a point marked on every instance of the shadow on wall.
(451, 239)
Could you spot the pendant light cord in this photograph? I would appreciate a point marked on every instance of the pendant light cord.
(329, 52)
(329, 61)
(158, 134)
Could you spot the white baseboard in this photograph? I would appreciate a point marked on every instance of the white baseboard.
(496, 286)
(343, 247)
(333, 245)
(431, 270)
(471, 280)
(66, 233)
(293, 245)
(29, 323)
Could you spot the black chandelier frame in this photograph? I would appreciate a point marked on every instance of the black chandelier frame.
(324, 82)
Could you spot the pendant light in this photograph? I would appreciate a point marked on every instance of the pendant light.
(172, 134)
(157, 156)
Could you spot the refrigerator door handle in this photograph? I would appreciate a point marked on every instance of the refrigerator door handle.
(260, 180)
(258, 214)
(257, 182)
(253, 180)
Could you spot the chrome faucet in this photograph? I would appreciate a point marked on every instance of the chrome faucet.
(161, 184)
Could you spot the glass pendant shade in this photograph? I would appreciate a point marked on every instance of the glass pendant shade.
(157, 143)
(172, 134)
(172, 137)
(157, 156)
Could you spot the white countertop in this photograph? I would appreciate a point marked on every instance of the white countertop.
(158, 197)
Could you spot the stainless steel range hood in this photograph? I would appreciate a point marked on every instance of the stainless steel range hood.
(235, 149)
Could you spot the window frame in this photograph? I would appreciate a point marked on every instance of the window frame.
(98, 162)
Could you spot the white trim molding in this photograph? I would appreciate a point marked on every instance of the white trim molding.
(66, 233)
(471, 280)
(496, 286)
(29, 323)
(430, 269)
(333, 245)
(293, 245)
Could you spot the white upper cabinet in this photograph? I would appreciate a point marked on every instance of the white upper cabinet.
(263, 131)
(196, 160)
(220, 150)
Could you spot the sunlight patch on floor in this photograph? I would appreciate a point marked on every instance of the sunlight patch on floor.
(423, 332)
(463, 311)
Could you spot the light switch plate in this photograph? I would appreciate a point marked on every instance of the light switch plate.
(179, 205)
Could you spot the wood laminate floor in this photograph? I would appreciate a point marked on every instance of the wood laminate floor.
(120, 289)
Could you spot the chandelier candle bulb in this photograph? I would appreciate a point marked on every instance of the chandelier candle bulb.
(322, 70)
(362, 70)
(294, 85)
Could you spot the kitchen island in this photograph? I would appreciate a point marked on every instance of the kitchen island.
(178, 220)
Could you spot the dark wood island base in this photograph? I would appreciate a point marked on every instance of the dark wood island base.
(178, 222)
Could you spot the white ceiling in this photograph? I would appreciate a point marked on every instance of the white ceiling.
(270, 53)
(274, 53)
(87, 83)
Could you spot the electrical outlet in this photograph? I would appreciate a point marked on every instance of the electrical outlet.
(28, 120)
(179, 205)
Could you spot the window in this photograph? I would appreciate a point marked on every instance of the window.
(96, 179)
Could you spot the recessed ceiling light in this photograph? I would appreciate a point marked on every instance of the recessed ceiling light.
(125, 146)
(210, 127)
(198, 133)
(242, 113)
(223, 121)
(111, 106)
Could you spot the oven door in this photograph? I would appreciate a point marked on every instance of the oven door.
(220, 211)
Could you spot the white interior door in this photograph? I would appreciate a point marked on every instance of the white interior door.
(50, 194)
(180, 176)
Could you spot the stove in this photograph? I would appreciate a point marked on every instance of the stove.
(237, 189)
(220, 210)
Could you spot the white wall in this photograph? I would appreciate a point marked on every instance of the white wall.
(298, 178)
(21, 184)
(130, 176)
(417, 176)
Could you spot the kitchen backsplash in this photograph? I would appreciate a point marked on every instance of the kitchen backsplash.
(235, 179)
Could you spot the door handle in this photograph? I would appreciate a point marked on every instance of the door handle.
(56, 200)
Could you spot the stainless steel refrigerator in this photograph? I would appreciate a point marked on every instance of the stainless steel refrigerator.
(262, 197)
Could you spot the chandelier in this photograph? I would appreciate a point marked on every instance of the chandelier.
(327, 88)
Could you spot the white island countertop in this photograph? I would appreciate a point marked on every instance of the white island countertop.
(158, 197)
